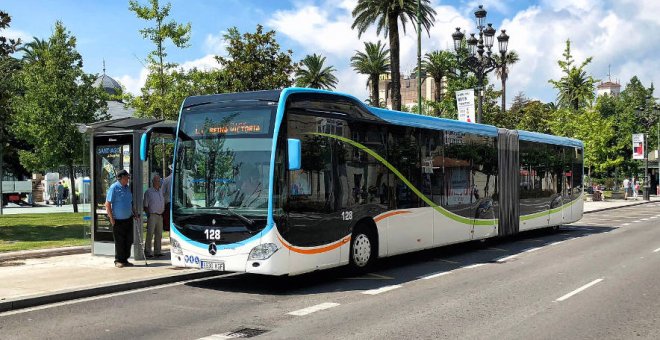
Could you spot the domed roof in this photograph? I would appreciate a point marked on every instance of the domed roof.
(108, 84)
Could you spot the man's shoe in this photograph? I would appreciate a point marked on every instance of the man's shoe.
(119, 265)
(149, 256)
(128, 264)
(160, 255)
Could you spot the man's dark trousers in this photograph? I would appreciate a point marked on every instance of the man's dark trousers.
(123, 233)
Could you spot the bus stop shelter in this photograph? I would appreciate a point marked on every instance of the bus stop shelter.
(115, 146)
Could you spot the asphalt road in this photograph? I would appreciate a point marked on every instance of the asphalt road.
(595, 279)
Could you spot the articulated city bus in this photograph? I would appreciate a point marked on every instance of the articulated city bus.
(295, 180)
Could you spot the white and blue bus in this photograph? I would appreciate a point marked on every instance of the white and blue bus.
(290, 181)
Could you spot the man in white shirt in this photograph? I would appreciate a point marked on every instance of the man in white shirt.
(626, 188)
(154, 205)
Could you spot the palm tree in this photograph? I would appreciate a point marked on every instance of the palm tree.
(313, 73)
(386, 14)
(34, 50)
(373, 62)
(438, 64)
(576, 89)
(503, 72)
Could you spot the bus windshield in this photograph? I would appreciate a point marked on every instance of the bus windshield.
(223, 161)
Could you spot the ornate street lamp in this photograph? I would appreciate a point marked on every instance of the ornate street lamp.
(479, 63)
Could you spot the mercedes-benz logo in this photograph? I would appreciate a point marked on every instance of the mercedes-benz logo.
(213, 249)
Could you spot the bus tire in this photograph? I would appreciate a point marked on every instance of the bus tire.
(363, 248)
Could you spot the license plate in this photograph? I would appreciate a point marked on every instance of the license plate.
(211, 265)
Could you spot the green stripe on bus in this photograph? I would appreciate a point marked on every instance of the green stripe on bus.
(461, 219)
(551, 211)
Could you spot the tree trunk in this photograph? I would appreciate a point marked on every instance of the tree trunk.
(393, 25)
(438, 94)
(72, 192)
(374, 91)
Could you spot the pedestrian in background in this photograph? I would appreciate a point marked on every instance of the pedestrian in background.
(154, 205)
(119, 205)
(626, 188)
(635, 187)
(59, 194)
(167, 187)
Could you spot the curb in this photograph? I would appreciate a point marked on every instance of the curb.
(45, 299)
(34, 254)
(41, 253)
(620, 206)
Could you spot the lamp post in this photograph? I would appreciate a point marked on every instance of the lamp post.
(479, 63)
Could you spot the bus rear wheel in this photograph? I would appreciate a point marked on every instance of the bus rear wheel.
(363, 249)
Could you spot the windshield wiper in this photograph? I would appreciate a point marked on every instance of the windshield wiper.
(246, 220)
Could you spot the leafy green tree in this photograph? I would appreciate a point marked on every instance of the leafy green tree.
(438, 64)
(56, 95)
(255, 62)
(373, 62)
(510, 58)
(576, 88)
(34, 50)
(153, 101)
(386, 15)
(7, 46)
(313, 73)
(594, 130)
(534, 116)
(8, 67)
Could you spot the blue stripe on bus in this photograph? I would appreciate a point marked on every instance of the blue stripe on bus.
(434, 123)
(549, 139)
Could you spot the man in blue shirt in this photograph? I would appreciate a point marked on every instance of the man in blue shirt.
(119, 205)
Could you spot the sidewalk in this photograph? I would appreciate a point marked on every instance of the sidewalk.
(29, 279)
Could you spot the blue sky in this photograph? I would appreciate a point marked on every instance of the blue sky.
(621, 34)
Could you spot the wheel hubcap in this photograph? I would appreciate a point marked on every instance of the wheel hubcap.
(361, 250)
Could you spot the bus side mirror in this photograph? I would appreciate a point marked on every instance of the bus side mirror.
(166, 129)
(144, 146)
(295, 154)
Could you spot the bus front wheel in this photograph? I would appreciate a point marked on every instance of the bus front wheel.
(363, 248)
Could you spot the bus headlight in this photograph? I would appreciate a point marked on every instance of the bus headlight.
(262, 251)
(175, 247)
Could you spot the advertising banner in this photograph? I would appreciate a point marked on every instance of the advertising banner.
(465, 104)
(638, 145)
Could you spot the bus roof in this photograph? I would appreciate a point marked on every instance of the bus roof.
(390, 116)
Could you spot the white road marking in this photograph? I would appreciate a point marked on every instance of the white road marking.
(578, 290)
(532, 250)
(657, 250)
(433, 276)
(555, 243)
(645, 219)
(381, 290)
(504, 259)
(637, 221)
(625, 224)
(653, 217)
(474, 265)
(92, 298)
(313, 309)
(229, 335)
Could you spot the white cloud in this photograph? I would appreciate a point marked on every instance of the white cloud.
(11, 33)
(215, 44)
(616, 33)
(133, 84)
(205, 63)
(609, 35)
